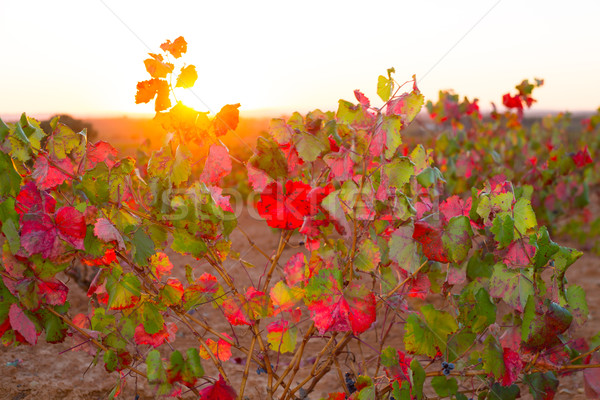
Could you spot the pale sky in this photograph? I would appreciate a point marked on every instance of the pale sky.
(84, 57)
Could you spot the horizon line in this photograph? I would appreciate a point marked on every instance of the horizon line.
(253, 113)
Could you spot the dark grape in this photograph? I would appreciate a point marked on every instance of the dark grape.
(446, 371)
(261, 370)
(451, 366)
(350, 383)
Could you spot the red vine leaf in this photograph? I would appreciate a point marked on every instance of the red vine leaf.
(285, 209)
(430, 238)
(258, 304)
(399, 371)
(362, 99)
(341, 165)
(220, 200)
(513, 366)
(206, 283)
(39, 236)
(32, 200)
(591, 380)
(71, 226)
(582, 157)
(353, 310)
(258, 178)
(98, 288)
(219, 391)
(217, 166)
(234, 313)
(519, 254)
(454, 206)
(167, 333)
(416, 286)
(54, 292)
(101, 152)
(294, 269)
(107, 259)
(512, 101)
(22, 324)
(106, 231)
(47, 175)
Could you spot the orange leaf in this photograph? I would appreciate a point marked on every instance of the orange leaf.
(160, 265)
(226, 119)
(187, 77)
(156, 67)
(221, 349)
(162, 98)
(177, 48)
(146, 90)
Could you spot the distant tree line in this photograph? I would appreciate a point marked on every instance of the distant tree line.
(76, 124)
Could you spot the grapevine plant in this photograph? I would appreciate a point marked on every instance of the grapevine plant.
(553, 156)
(397, 291)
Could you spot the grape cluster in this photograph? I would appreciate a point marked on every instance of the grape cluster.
(350, 383)
(447, 367)
(261, 370)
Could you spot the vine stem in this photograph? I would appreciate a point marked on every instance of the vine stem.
(144, 216)
(81, 331)
(578, 367)
(322, 353)
(595, 349)
(246, 369)
(265, 352)
(253, 244)
(207, 349)
(532, 363)
(228, 340)
(283, 238)
(184, 319)
(323, 370)
(385, 333)
(341, 376)
(295, 363)
(90, 338)
(101, 346)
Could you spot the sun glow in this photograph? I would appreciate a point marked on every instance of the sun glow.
(83, 58)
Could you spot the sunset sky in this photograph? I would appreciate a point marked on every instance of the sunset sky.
(85, 57)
